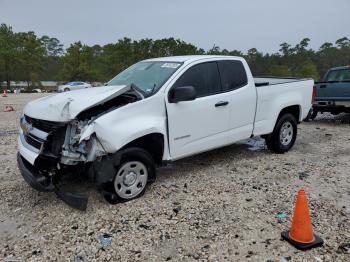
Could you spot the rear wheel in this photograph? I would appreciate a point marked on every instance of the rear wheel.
(66, 89)
(284, 134)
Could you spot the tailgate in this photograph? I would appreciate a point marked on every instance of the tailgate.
(338, 91)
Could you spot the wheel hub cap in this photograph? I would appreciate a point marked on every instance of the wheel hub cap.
(130, 179)
(286, 133)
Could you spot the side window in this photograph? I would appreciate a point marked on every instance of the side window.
(233, 74)
(203, 77)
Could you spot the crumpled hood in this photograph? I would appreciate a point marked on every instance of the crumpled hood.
(66, 106)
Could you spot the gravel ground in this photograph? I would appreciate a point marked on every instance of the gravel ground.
(217, 206)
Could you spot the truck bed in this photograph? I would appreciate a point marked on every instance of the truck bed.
(273, 92)
(271, 80)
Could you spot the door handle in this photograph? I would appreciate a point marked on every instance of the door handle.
(323, 86)
(221, 103)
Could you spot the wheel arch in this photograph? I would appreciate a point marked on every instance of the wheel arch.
(102, 170)
(295, 110)
(153, 143)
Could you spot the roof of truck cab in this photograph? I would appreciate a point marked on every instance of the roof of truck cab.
(339, 68)
(188, 58)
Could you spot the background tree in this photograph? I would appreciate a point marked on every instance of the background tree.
(259, 64)
(77, 63)
(25, 57)
(52, 60)
(8, 54)
(31, 54)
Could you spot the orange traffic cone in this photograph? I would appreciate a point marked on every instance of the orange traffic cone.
(301, 234)
(5, 93)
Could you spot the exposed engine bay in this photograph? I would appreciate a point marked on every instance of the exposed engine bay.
(76, 149)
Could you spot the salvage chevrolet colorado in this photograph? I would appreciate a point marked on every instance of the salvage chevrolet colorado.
(155, 111)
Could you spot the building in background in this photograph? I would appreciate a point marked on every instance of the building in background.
(48, 86)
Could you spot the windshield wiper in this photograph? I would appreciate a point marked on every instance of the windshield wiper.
(136, 88)
(154, 86)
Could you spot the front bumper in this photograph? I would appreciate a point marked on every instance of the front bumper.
(27, 151)
(32, 177)
(46, 184)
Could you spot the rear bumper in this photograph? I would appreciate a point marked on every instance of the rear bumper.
(332, 103)
(32, 177)
(332, 106)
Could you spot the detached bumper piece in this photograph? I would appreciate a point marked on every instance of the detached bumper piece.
(45, 184)
(77, 201)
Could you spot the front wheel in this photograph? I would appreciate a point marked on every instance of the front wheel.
(284, 134)
(135, 169)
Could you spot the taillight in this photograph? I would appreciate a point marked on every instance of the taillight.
(313, 99)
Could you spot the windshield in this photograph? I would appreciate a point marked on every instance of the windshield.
(147, 76)
(338, 75)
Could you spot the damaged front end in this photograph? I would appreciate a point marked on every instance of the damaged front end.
(50, 150)
(44, 140)
(81, 144)
(76, 149)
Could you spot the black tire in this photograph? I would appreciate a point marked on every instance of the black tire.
(275, 141)
(66, 89)
(132, 155)
(311, 115)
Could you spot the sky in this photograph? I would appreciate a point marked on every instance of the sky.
(230, 24)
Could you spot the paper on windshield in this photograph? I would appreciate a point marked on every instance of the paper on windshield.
(171, 65)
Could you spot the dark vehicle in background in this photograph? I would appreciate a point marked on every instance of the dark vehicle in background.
(332, 93)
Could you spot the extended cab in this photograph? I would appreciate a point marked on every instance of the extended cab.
(333, 92)
(155, 111)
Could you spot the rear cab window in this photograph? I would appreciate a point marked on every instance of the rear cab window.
(338, 75)
(233, 74)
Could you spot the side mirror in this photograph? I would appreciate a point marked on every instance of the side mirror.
(182, 93)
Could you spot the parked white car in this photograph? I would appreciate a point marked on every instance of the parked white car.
(73, 86)
(156, 111)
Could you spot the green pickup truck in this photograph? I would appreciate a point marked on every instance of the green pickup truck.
(332, 93)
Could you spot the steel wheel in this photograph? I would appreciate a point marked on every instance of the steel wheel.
(131, 179)
(286, 133)
(283, 135)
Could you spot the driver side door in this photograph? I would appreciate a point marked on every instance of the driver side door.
(201, 124)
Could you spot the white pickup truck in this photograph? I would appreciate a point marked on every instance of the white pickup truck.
(155, 111)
